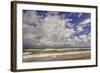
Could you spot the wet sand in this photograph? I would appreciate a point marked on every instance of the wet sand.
(42, 57)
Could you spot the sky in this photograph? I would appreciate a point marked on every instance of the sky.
(56, 29)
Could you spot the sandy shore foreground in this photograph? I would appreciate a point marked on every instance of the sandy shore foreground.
(72, 55)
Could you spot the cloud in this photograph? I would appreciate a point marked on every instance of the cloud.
(51, 31)
(86, 21)
(80, 14)
(29, 17)
(32, 30)
(79, 29)
(83, 24)
(79, 41)
(54, 28)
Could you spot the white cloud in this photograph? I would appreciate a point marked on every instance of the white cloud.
(78, 41)
(67, 32)
(51, 31)
(83, 41)
(29, 17)
(79, 29)
(82, 24)
(83, 38)
(32, 30)
(88, 20)
(69, 25)
(80, 14)
(54, 28)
